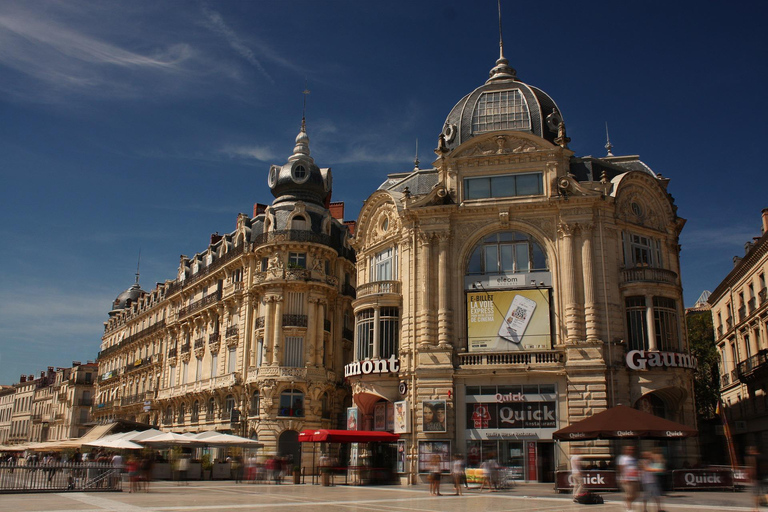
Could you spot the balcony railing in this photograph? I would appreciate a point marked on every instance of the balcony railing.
(719, 331)
(753, 365)
(295, 235)
(133, 337)
(185, 348)
(232, 330)
(378, 288)
(348, 290)
(214, 338)
(648, 275)
(200, 304)
(204, 271)
(728, 324)
(199, 343)
(742, 313)
(511, 358)
(294, 320)
(762, 294)
(172, 352)
(725, 380)
(752, 304)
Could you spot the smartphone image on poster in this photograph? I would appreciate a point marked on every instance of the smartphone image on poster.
(517, 318)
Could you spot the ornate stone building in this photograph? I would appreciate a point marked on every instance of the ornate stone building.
(252, 334)
(513, 288)
(740, 318)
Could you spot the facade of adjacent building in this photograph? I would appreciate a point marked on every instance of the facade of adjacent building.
(740, 318)
(514, 288)
(252, 334)
(6, 411)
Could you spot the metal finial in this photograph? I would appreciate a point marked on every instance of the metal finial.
(138, 266)
(416, 160)
(305, 92)
(501, 38)
(608, 145)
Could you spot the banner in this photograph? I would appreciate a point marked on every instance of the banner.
(509, 320)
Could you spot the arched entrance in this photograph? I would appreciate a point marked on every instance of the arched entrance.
(288, 446)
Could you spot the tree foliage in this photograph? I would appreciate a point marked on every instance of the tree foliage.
(701, 338)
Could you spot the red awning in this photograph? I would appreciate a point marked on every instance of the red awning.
(346, 436)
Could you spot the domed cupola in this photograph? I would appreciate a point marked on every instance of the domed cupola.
(300, 179)
(503, 103)
(128, 297)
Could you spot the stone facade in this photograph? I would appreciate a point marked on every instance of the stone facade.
(579, 256)
(740, 318)
(252, 334)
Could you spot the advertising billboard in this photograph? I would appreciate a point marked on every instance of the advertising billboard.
(509, 320)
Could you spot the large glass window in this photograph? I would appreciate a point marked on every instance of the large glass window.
(292, 403)
(297, 260)
(501, 110)
(638, 337)
(229, 405)
(641, 251)
(513, 185)
(254, 408)
(665, 320)
(384, 265)
(389, 332)
(507, 252)
(231, 360)
(365, 334)
(294, 351)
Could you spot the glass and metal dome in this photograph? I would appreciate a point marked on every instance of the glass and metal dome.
(502, 103)
(128, 297)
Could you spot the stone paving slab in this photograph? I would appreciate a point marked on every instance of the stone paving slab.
(228, 496)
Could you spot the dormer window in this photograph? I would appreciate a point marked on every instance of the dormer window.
(501, 110)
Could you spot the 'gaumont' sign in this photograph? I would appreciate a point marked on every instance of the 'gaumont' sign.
(369, 366)
(645, 359)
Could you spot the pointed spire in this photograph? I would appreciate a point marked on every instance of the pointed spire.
(502, 70)
(608, 145)
(416, 160)
(138, 266)
(302, 139)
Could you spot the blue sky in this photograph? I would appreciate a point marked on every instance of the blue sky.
(148, 125)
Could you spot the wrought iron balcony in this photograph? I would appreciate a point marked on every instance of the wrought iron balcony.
(752, 305)
(304, 236)
(742, 313)
(214, 338)
(378, 288)
(762, 294)
(204, 271)
(172, 352)
(648, 275)
(725, 380)
(199, 343)
(185, 348)
(294, 320)
(200, 304)
(348, 290)
(754, 367)
(232, 331)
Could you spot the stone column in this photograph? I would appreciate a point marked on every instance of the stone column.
(269, 339)
(423, 284)
(247, 335)
(320, 336)
(754, 341)
(277, 356)
(310, 345)
(444, 289)
(566, 232)
(650, 324)
(590, 308)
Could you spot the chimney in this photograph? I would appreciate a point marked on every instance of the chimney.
(215, 237)
(736, 261)
(258, 209)
(337, 210)
(22, 379)
(351, 225)
(75, 363)
(765, 219)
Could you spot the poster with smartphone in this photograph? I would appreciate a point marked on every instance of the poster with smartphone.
(509, 320)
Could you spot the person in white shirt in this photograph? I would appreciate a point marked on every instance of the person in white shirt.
(628, 475)
(576, 474)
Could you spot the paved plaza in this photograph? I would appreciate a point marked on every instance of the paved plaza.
(225, 495)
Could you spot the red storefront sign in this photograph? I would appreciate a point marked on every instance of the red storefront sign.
(532, 461)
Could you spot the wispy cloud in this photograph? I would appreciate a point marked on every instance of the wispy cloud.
(216, 23)
(261, 153)
(717, 237)
(60, 58)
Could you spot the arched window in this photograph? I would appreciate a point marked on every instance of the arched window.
(325, 405)
(195, 411)
(299, 222)
(292, 403)
(182, 413)
(229, 405)
(211, 408)
(507, 252)
(168, 418)
(254, 409)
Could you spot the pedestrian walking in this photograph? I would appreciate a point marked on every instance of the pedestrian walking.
(576, 472)
(458, 473)
(434, 474)
(628, 475)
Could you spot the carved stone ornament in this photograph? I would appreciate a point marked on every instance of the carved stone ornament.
(500, 145)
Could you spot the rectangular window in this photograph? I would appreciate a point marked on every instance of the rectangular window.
(231, 360)
(295, 303)
(665, 320)
(297, 260)
(184, 372)
(511, 185)
(294, 351)
(364, 335)
(214, 365)
(636, 326)
(199, 369)
(384, 265)
(259, 351)
(172, 377)
(389, 332)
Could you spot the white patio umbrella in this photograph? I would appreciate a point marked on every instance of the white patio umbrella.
(117, 444)
(214, 438)
(167, 439)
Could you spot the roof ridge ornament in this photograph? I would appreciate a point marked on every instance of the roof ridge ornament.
(301, 150)
(608, 145)
(502, 70)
